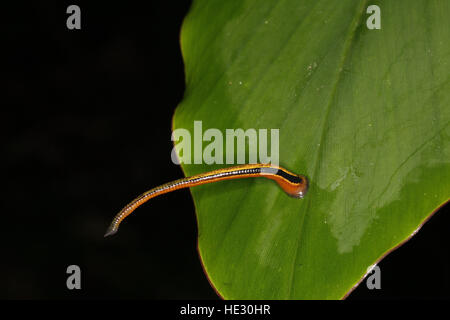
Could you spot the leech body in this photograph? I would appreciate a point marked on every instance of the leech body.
(294, 185)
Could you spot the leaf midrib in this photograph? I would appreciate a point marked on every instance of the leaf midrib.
(347, 47)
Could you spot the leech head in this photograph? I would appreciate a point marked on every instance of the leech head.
(114, 226)
(110, 232)
(127, 210)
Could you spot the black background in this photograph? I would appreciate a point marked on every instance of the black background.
(85, 127)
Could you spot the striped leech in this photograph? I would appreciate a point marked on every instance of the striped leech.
(293, 184)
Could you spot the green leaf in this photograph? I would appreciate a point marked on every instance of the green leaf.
(364, 114)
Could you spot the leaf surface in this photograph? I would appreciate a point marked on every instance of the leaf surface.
(364, 114)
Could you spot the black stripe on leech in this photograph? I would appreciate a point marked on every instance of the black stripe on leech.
(289, 177)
